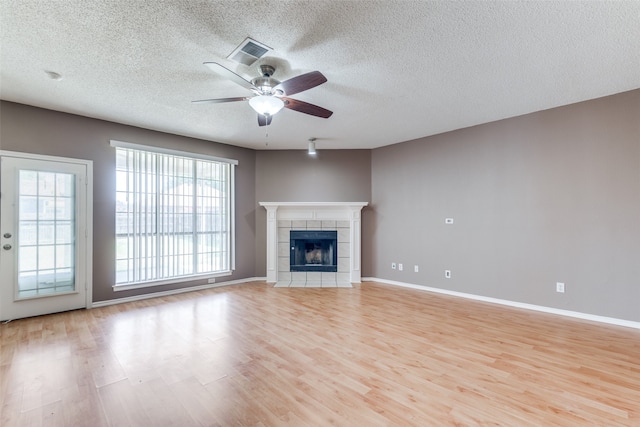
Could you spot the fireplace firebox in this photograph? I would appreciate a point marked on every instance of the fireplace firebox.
(313, 250)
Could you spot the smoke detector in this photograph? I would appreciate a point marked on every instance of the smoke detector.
(249, 51)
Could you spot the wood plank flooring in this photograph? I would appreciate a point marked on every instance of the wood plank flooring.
(371, 355)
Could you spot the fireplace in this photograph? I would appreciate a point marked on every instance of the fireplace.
(342, 218)
(313, 250)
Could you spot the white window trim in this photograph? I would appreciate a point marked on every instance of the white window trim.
(150, 148)
(173, 281)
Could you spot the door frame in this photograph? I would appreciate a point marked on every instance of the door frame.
(88, 164)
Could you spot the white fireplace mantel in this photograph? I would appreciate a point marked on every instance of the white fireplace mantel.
(338, 211)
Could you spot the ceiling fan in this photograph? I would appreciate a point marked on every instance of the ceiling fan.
(271, 95)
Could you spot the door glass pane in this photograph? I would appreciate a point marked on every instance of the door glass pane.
(46, 257)
(46, 183)
(28, 232)
(46, 239)
(28, 258)
(45, 232)
(64, 232)
(28, 208)
(28, 183)
(64, 185)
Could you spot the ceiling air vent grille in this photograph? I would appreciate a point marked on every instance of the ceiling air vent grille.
(249, 52)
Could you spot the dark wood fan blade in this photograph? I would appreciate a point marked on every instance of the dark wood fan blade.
(301, 83)
(225, 72)
(264, 120)
(219, 100)
(305, 107)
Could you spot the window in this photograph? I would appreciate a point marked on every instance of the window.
(174, 215)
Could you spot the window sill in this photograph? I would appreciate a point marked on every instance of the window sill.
(129, 286)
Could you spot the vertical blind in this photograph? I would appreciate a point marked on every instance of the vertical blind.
(173, 216)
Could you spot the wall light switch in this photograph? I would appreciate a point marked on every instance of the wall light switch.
(447, 274)
(393, 265)
(448, 221)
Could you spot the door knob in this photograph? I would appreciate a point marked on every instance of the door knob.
(6, 247)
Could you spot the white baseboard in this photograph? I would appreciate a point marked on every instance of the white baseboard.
(568, 313)
(174, 292)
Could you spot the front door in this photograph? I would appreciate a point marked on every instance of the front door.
(44, 251)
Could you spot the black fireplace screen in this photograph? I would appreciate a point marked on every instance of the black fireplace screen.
(314, 250)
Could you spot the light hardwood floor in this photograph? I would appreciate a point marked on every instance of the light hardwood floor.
(372, 355)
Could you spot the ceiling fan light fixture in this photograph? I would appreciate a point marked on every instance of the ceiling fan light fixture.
(266, 104)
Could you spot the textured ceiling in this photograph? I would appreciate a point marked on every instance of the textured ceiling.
(396, 70)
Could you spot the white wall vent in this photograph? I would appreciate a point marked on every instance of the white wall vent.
(249, 51)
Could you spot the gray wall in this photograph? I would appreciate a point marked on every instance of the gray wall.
(548, 197)
(34, 130)
(294, 176)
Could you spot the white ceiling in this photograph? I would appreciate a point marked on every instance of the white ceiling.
(396, 70)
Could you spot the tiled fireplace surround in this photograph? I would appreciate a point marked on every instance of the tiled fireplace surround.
(344, 217)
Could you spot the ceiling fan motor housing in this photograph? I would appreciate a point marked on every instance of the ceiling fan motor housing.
(266, 83)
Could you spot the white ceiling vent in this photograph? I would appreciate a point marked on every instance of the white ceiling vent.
(249, 51)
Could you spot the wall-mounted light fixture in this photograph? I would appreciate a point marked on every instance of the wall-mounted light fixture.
(312, 147)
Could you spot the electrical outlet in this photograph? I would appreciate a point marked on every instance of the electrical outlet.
(447, 274)
(560, 287)
(400, 267)
(415, 268)
(211, 280)
(393, 265)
